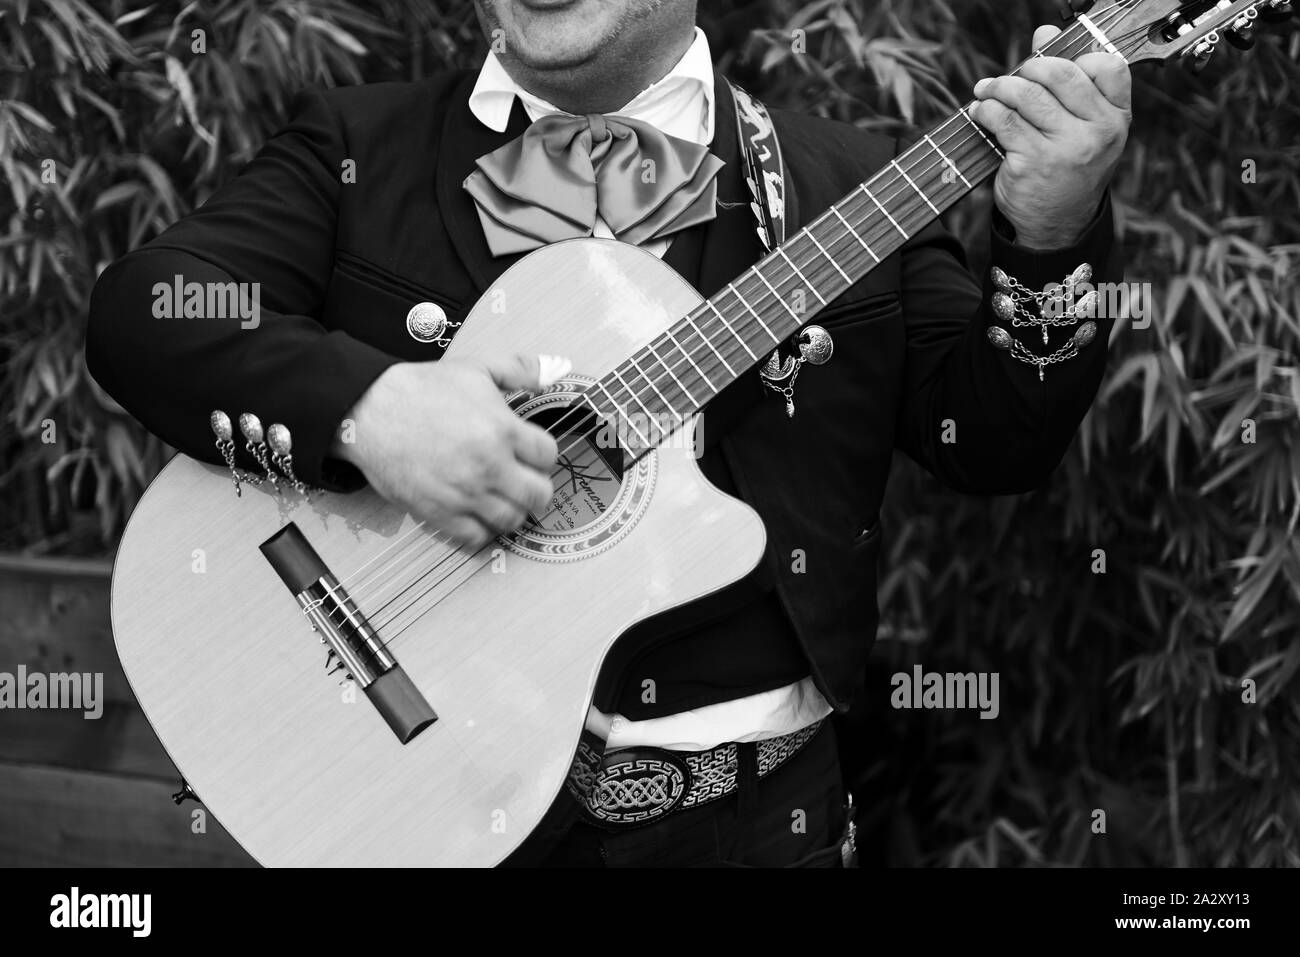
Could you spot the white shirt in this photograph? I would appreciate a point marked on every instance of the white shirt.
(681, 105)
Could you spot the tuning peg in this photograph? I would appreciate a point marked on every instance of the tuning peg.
(1277, 11)
(1198, 56)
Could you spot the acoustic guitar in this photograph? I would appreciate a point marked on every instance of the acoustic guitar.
(341, 686)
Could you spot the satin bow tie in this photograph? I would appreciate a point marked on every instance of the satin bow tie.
(550, 183)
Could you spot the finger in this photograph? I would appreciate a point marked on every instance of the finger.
(1072, 88)
(1032, 101)
(513, 373)
(527, 488)
(468, 531)
(499, 513)
(1044, 35)
(533, 445)
(1011, 131)
(1112, 77)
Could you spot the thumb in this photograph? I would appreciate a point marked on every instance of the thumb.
(515, 373)
(1043, 35)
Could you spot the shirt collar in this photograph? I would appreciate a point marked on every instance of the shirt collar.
(494, 94)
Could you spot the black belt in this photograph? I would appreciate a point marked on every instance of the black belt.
(629, 787)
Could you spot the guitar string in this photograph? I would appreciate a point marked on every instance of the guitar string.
(814, 266)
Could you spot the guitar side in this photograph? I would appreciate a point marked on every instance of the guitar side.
(298, 765)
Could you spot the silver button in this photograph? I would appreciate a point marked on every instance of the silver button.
(816, 345)
(999, 337)
(426, 322)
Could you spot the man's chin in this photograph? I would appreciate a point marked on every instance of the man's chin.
(544, 56)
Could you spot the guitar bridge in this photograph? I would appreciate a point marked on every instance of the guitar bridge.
(343, 627)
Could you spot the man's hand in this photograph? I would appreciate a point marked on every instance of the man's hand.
(1063, 126)
(439, 440)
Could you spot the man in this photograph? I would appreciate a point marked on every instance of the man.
(743, 681)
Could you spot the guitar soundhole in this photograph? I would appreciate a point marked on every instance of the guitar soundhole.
(600, 492)
(588, 475)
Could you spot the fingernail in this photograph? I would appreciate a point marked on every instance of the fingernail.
(981, 86)
(553, 369)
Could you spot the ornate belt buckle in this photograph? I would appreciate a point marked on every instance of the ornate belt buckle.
(637, 785)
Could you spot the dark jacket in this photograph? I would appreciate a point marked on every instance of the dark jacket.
(341, 263)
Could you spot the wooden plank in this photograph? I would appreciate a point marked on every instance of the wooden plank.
(58, 818)
(44, 568)
(120, 741)
(60, 625)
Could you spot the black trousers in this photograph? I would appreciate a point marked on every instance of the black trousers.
(793, 817)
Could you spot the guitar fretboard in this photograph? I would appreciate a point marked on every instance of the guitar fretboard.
(652, 393)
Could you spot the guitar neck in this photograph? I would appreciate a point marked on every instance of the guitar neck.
(651, 394)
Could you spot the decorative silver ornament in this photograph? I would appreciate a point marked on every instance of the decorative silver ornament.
(1000, 338)
(251, 426)
(1081, 275)
(281, 442)
(816, 346)
(1087, 305)
(776, 369)
(278, 437)
(1004, 307)
(220, 423)
(1000, 278)
(426, 322)
(1086, 333)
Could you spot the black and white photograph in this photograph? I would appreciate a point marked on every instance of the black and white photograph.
(652, 434)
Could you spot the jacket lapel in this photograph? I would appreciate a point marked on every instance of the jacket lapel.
(464, 140)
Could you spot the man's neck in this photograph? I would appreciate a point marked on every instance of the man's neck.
(604, 84)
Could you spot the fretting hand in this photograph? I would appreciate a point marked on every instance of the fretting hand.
(1063, 125)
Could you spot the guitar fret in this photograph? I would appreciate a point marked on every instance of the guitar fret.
(706, 380)
(829, 257)
(707, 342)
(901, 172)
(951, 165)
(744, 345)
(662, 398)
(854, 233)
(778, 298)
(635, 398)
(667, 368)
(801, 275)
(980, 130)
(621, 414)
(863, 187)
(743, 302)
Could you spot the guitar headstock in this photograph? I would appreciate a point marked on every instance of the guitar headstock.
(1159, 30)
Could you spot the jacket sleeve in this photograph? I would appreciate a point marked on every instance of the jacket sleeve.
(974, 416)
(271, 232)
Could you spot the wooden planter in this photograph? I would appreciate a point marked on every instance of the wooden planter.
(79, 792)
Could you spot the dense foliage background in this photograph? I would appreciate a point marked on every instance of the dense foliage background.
(1122, 690)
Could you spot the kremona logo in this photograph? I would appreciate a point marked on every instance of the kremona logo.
(102, 910)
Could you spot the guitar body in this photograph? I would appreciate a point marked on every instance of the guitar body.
(504, 645)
